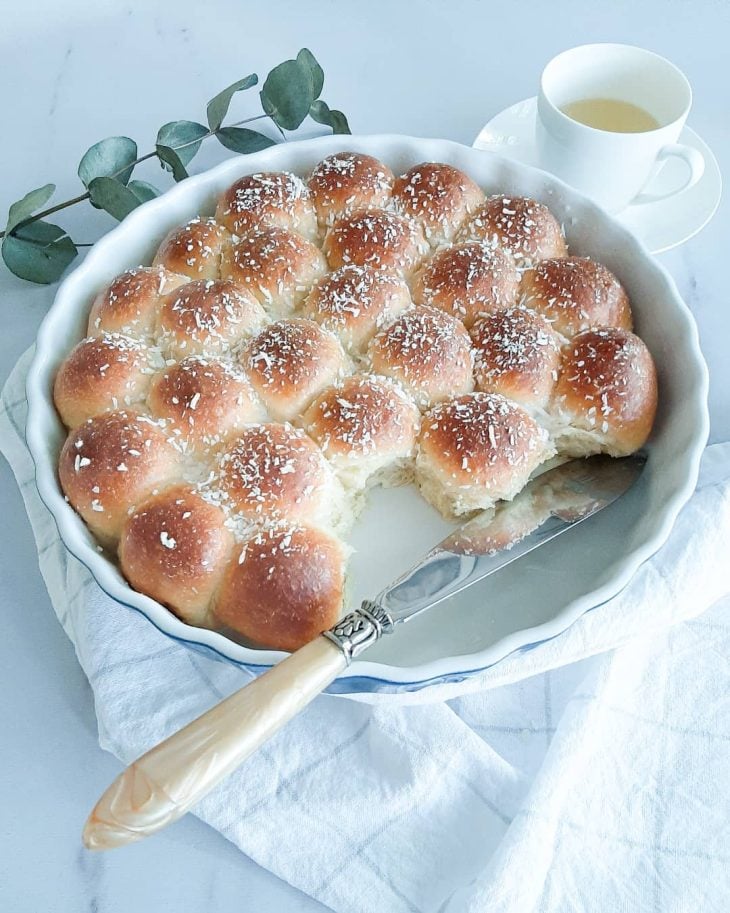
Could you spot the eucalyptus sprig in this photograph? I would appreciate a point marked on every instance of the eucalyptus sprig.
(40, 251)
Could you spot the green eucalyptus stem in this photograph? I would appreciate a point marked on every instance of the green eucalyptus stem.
(40, 251)
(143, 158)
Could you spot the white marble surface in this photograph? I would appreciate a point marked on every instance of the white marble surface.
(75, 72)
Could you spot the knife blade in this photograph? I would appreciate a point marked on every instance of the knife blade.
(548, 506)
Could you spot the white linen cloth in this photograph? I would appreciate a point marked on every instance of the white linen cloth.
(600, 783)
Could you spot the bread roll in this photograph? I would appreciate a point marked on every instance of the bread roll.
(273, 199)
(575, 293)
(207, 316)
(204, 401)
(606, 396)
(467, 281)
(367, 428)
(129, 304)
(102, 373)
(354, 302)
(521, 226)
(439, 197)
(273, 472)
(428, 352)
(194, 249)
(174, 548)
(517, 354)
(475, 450)
(347, 181)
(277, 266)
(110, 463)
(377, 238)
(283, 588)
(290, 362)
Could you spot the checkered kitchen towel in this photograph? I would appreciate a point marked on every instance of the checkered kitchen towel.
(595, 779)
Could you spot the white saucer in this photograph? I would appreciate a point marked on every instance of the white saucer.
(660, 225)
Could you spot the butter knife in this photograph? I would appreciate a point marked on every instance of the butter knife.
(163, 784)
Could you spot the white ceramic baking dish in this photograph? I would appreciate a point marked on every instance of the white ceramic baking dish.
(521, 606)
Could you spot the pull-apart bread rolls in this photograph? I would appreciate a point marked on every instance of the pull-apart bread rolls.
(278, 266)
(575, 294)
(354, 302)
(475, 450)
(130, 303)
(194, 249)
(204, 401)
(207, 316)
(437, 196)
(321, 334)
(346, 182)
(428, 352)
(273, 199)
(110, 463)
(606, 395)
(522, 227)
(175, 547)
(367, 427)
(103, 373)
(290, 362)
(377, 238)
(468, 281)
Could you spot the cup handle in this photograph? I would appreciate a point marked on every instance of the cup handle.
(694, 160)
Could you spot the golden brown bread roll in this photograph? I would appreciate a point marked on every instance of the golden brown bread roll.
(204, 401)
(110, 463)
(377, 238)
(439, 197)
(278, 266)
(207, 315)
(575, 293)
(428, 352)
(283, 587)
(606, 396)
(521, 226)
(102, 373)
(475, 450)
(467, 281)
(290, 362)
(273, 472)
(347, 181)
(175, 547)
(354, 302)
(274, 199)
(366, 426)
(129, 304)
(516, 353)
(194, 249)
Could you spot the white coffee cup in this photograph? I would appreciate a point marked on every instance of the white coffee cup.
(610, 167)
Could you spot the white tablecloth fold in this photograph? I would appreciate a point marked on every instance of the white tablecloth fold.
(600, 783)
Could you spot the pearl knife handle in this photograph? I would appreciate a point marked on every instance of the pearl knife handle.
(165, 783)
(168, 780)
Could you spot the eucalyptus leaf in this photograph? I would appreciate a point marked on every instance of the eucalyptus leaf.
(330, 117)
(38, 252)
(218, 106)
(308, 63)
(143, 191)
(111, 157)
(184, 136)
(31, 202)
(113, 197)
(170, 160)
(239, 139)
(288, 93)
